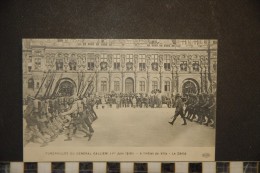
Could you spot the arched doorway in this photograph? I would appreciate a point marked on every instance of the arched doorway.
(66, 88)
(190, 86)
(129, 85)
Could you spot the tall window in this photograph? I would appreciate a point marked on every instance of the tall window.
(37, 63)
(73, 64)
(103, 62)
(31, 83)
(183, 65)
(154, 85)
(142, 64)
(167, 86)
(154, 60)
(129, 58)
(142, 86)
(167, 63)
(195, 66)
(104, 86)
(30, 59)
(116, 86)
(129, 62)
(91, 63)
(116, 59)
(29, 63)
(59, 64)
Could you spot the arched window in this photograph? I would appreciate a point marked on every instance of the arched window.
(31, 83)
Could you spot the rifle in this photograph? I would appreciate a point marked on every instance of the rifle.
(41, 85)
(87, 88)
(78, 82)
(84, 85)
(49, 86)
(56, 87)
(81, 80)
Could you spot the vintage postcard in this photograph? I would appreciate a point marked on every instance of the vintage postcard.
(119, 99)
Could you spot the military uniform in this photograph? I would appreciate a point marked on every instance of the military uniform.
(178, 110)
(70, 122)
(212, 110)
(188, 107)
(32, 129)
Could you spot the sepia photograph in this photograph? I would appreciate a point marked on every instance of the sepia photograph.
(119, 94)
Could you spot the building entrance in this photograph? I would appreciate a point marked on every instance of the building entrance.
(190, 87)
(66, 88)
(129, 85)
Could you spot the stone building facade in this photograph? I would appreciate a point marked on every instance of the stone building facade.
(121, 65)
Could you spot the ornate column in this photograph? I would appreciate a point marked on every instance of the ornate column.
(177, 73)
(190, 63)
(148, 65)
(161, 65)
(97, 79)
(135, 81)
(201, 73)
(177, 80)
(135, 70)
(84, 62)
(123, 75)
(173, 64)
(206, 75)
(109, 80)
(66, 62)
(109, 71)
(123, 81)
(148, 83)
(79, 62)
(97, 70)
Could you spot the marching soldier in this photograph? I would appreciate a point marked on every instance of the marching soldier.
(205, 109)
(212, 111)
(195, 107)
(188, 104)
(178, 110)
(32, 131)
(200, 109)
(70, 119)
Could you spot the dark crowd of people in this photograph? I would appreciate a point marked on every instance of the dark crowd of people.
(134, 100)
(46, 119)
(200, 108)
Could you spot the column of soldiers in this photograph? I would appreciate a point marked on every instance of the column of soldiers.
(46, 119)
(200, 108)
